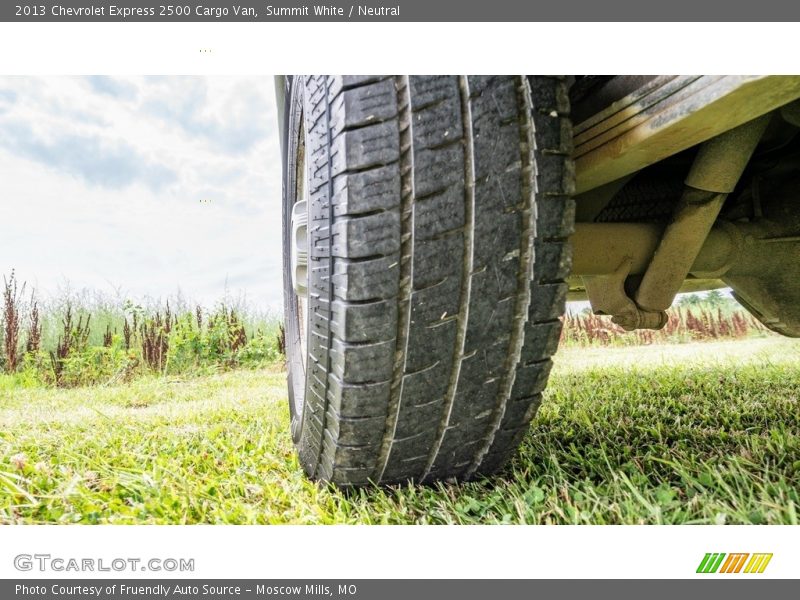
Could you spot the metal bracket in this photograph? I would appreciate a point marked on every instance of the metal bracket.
(607, 296)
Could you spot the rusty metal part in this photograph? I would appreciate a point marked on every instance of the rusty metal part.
(668, 115)
(716, 170)
(721, 161)
(577, 288)
(608, 296)
(760, 260)
(731, 250)
(766, 277)
(773, 301)
(599, 248)
(605, 255)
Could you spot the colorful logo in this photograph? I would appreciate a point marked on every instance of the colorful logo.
(719, 562)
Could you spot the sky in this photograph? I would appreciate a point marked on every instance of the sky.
(142, 187)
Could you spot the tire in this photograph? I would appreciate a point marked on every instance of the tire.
(439, 210)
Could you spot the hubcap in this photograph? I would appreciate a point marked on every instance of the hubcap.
(299, 247)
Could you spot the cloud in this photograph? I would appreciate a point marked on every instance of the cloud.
(64, 112)
(7, 98)
(240, 124)
(104, 163)
(33, 100)
(122, 182)
(113, 87)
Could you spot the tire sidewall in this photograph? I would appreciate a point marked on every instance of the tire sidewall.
(294, 360)
(308, 386)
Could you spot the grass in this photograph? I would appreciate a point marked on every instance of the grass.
(695, 433)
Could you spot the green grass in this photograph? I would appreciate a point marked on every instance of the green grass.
(696, 433)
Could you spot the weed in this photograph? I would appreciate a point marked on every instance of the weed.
(281, 340)
(74, 338)
(236, 332)
(155, 339)
(34, 341)
(691, 321)
(11, 322)
(108, 337)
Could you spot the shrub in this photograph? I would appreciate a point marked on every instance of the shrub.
(261, 349)
(187, 347)
(36, 370)
(223, 342)
(96, 365)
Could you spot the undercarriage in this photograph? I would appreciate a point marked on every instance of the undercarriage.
(687, 184)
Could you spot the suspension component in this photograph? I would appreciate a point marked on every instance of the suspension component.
(715, 172)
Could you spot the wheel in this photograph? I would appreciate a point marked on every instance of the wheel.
(425, 254)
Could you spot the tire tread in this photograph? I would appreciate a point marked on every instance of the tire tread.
(445, 259)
